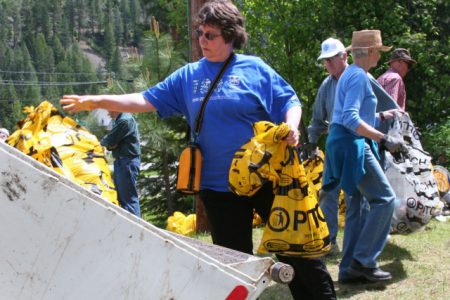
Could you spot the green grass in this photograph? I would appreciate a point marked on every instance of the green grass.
(419, 263)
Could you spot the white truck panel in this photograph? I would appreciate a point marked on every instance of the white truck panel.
(60, 241)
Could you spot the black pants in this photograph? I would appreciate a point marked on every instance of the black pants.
(230, 221)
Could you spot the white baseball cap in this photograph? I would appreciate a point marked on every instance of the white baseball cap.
(331, 47)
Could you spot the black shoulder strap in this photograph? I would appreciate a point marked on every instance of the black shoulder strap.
(198, 121)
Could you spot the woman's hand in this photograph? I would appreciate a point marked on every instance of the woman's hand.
(390, 114)
(75, 103)
(293, 136)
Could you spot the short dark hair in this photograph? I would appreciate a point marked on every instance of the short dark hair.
(224, 15)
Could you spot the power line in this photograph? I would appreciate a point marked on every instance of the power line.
(24, 102)
(49, 83)
(53, 73)
(109, 74)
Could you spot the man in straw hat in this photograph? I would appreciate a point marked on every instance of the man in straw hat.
(392, 79)
(334, 59)
(351, 161)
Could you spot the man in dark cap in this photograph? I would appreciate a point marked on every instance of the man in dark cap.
(392, 79)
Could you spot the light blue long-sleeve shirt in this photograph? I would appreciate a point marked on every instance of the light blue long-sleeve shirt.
(322, 111)
(355, 101)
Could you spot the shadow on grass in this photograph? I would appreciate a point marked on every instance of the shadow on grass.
(393, 253)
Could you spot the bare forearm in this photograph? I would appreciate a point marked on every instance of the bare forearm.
(368, 131)
(293, 116)
(121, 103)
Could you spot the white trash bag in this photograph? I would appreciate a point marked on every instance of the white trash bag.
(412, 179)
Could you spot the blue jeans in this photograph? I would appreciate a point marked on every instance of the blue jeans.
(364, 240)
(126, 170)
(329, 203)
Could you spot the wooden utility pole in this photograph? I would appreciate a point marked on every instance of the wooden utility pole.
(196, 54)
(194, 7)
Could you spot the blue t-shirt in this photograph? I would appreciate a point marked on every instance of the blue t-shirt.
(248, 91)
(355, 100)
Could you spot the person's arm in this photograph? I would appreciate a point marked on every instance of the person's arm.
(122, 103)
(368, 131)
(319, 120)
(293, 116)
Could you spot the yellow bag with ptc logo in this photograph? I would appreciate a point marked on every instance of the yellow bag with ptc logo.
(296, 224)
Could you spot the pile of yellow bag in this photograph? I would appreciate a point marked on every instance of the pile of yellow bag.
(182, 224)
(63, 145)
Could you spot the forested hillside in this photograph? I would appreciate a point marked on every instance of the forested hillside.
(40, 56)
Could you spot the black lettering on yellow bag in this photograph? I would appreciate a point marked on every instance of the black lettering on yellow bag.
(296, 225)
(189, 170)
(189, 166)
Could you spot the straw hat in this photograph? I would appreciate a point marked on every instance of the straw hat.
(403, 55)
(365, 39)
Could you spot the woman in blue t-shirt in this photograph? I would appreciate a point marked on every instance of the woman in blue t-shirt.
(248, 91)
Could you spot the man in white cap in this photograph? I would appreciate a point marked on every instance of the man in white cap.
(4, 134)
(334, 58)
(392, 79)
(351, 162)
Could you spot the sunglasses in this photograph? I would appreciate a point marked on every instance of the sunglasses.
(208, 35)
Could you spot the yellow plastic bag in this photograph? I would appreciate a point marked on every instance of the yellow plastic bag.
(314, 170)
(296, 224)
(181, 223)
(257, 162)
(66, 147)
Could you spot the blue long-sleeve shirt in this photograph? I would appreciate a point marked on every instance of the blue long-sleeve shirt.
(323, 105)
(123, 140)
(322, 109)
(355, 101)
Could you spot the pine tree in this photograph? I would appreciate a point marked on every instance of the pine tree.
(118, 26)
(135, 9)
(80, 17)
(66, 35)
(16, 25)
(8, 110)
(126, 16)
(58, 50)
(3, 23)
(57, 18)
(64, 75)
(109, 43)
(28, 29)
(89, 76)
(70, 22)
(115, 64)
(41, 17)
